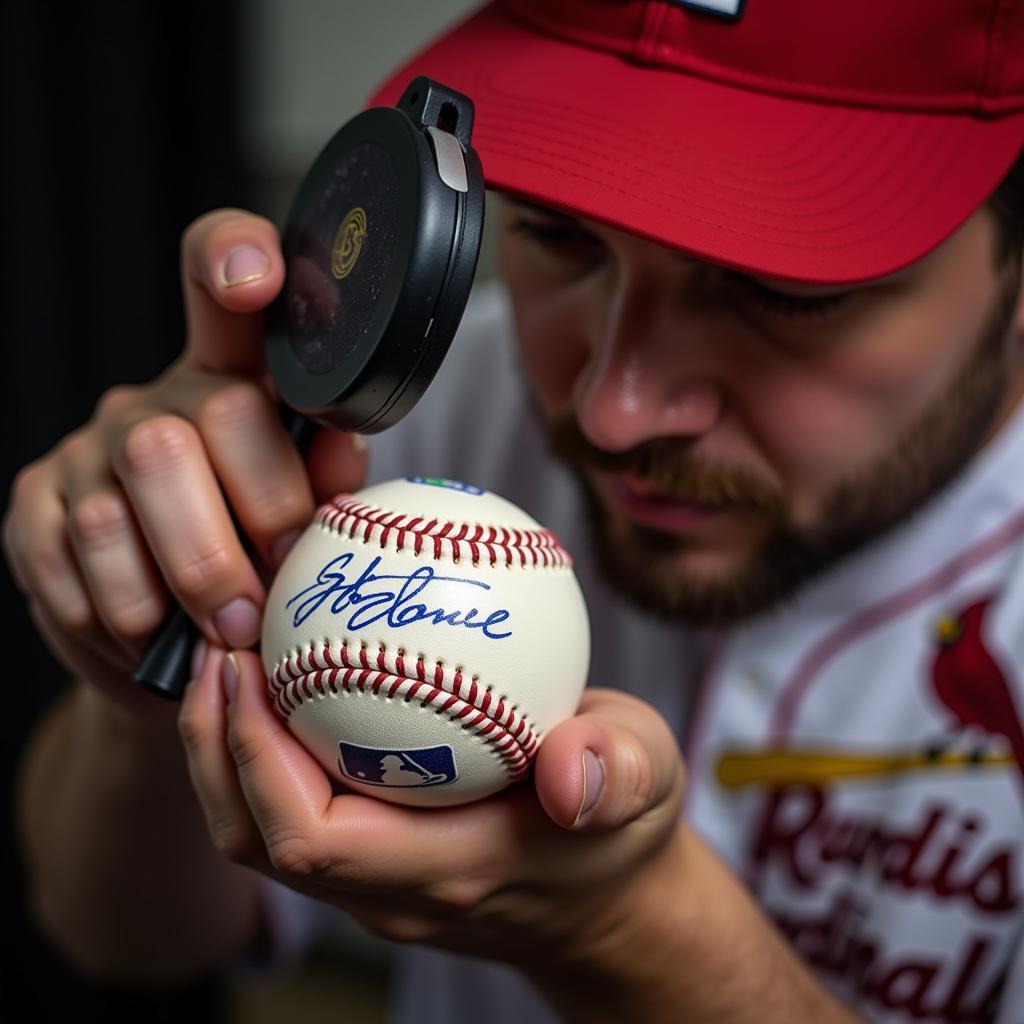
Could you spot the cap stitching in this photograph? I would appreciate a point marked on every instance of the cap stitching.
(858, 147)
(677, 189)
(642, 135)
(645, 197)
(695, 196)
(491, 96)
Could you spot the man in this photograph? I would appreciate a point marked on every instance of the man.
(764, 267)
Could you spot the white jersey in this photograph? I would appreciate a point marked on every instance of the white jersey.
(856, 756)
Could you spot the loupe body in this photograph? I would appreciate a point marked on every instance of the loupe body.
(380, 247)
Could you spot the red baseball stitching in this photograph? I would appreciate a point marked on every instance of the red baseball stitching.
(346, 514)
(319, 670)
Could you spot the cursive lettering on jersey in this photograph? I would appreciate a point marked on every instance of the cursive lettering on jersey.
(835, 940)
(942, 852)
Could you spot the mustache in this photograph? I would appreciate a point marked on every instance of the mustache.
(669, 468)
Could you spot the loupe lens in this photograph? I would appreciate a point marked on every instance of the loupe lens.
(339, 253)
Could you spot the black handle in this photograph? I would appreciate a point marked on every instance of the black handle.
(166, 665)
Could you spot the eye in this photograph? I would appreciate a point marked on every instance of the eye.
(789, 303)
(565, 240)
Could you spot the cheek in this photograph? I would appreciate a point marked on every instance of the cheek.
(552, 347)
(812, 433)
(551, 355)
(826, 422)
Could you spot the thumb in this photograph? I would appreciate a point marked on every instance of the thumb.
(231, 270)
(615, 761)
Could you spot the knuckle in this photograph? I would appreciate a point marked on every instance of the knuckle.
(151, 445)
(72, 448)
(23, 485)
(399, 928)
(232, 839)
(191, 729)
(76, 617)
(638, 782)
(113, 402)
(136, 616)
(458, 895)
(203, 570)
(48, 570)
(72, 614)
(14, 542)
(75, 449)
(279, 505)
(232, 407)
(99, 519)
(246, 746)
(45, 561)
(293, 854)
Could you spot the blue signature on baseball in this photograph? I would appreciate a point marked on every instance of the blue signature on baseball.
(391, 598)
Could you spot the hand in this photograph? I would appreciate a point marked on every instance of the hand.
(136, 502)
(523, 876)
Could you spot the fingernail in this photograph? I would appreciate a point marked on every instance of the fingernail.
(593, 783)
(244, 264)
(198, 658)
(282, 546)
(229, 678)
(238, 622)
(358, 443)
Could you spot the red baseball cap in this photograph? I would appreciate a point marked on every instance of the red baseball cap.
(821, 140)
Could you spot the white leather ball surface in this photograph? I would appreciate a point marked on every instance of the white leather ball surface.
(420, 639)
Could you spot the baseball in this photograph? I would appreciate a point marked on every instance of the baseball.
(420, 639)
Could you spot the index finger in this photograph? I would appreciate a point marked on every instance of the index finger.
(231, 270)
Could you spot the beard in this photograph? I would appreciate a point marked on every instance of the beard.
(644, 563)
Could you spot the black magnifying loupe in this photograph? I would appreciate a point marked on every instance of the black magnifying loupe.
(380, 248)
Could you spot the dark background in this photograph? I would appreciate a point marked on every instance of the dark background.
(120, 125)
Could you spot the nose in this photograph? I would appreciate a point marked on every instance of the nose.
(649, 373)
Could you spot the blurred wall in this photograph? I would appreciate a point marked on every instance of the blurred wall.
(111, 146)
(308, 66)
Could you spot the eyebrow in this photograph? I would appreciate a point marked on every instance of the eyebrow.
(681, 255)
(545, 211)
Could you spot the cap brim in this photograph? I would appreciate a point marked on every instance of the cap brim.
(782, 187)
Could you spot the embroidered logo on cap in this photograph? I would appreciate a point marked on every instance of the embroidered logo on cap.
(731, 9)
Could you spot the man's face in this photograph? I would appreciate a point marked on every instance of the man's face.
(737, 434)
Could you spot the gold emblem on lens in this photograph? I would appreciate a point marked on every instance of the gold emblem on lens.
(348, 242)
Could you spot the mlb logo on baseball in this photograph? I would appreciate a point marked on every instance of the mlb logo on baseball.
(425, 766)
